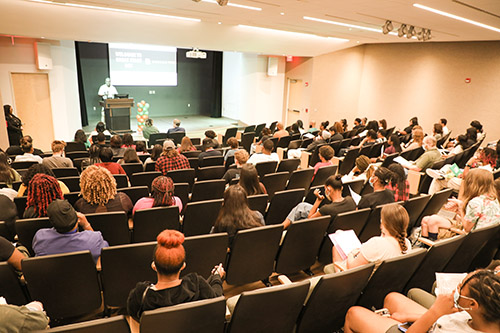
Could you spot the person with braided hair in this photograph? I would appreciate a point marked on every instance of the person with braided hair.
(391, 243)
(381, 195)
(98, 191)
(32, 171)
(42, 190)
(170, 289)
(162, 194)
(473, 307)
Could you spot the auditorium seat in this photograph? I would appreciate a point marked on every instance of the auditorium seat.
(117, 324)
(210, 172)
(389, 159)
(183, 176)
(208, 190)
(247, 140)
(131, 168)
(65, 172)
(112, 225)
(376, 150)
(27, 228)
(156, 137)
(274, 182)
(348, 161)
(284, 141)
(249, 129)
(77, 155)
(289, 165)
(281, 205)
(372, 226)
(20, 203)
(230, 133)
(121, 181)
(258, 130)
(22, 164)
(73, 183)
(176, 137)
(354, 185)
(192, 153)
(205, 316)
(193, 162)
(150, 166)
(204, 252)
(181, 190)
(144, 178)
(252, 255)
(272, 127)
(322, 174)
(66, 284)
(264, 168)
(10, 288)
(199, 217)
(148, 223)
(211, 161)
(300, 179)
(391, 276)
(300, 245)
(273, 309)
(74, 146)
(330, 299)
(135, 192)
(415, 207)
(4, 231)
(258, 202)
(435, 203)
(310, 196)
(314, 157)
(122, 267)
(72, 197)
(365, 150)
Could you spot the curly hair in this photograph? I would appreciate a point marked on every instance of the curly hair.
(42, 190)
(98, 185)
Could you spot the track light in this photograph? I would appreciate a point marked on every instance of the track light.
(402, 30)
(411, 32)
(222, 2)
(387, 27)
(420, 35)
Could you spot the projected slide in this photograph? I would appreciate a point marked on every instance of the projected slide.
(142, 65)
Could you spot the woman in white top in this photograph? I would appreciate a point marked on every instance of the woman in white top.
(473, 307)
(391, 243)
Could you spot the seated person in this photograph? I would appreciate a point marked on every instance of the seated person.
(428, 158)
(362, 170)
(9, 253)
(155, 154)
(42, 190)
(394, 145)
(235, 214)
(25, 318)
(336, 131)
(264, 135)
(149, 129)
(266, 155)
(32, 171)
(27, 155)
(64, 236)
(212, 135)
(129, 156)
(81, 137)
(170, 159)
(162, 195)
(57, 160)
(280, 131)
(169, 289)
(99, 128)
(98, 191)
(399, 185)
(473, 307)
(477, 207)
(391, 243)
(417, 138)
(140, 148)
(233, 147)
(413, 123)
(116, 146)
(240, 159)
(249, 180)
(379, 180)
(93, 158)
(326, 154)
(101, 140)
(17, 150)
(186, 145)
(106, 157)
(128, 141)
(8, 175)
(177, 127)
(208, 149)
(331, 203)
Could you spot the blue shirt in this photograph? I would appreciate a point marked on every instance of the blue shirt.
(175, 130)
(49, 241)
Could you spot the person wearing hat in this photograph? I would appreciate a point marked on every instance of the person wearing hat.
(64, 235)
(170, 159)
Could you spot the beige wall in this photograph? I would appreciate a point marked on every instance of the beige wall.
(398, 81)
(300, 69)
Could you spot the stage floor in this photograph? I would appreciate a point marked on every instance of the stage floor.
(195, 125)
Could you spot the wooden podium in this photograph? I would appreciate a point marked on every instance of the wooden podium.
(117, 113)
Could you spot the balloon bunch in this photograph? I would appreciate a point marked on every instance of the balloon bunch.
(142, 114)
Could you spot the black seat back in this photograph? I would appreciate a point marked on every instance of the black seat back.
(144, 178)
(203, 252)
(176, 137)
(10, 288)
(135, 193)
(121, 181)
(148, 223)
(112, 225)
(73, 183)
(275, 182)
(211, 161)
(208, 190)
(211, 172)
(199, 217)
(246, 140)
(183, 176)
(65, 172)
(348, 162)
(290, 165)
(435, 203)
(74, 146)
(415, 207)
(264, 168)
(300, 179)
(281, 204)
(131, 168)
(322, 174)
(117, 324)
(27, 228)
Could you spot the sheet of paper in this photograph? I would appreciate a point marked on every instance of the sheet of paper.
(345, 241)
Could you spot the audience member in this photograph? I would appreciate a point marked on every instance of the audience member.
(321, 139)
(394, 145)
(186, 145)
(11, 255)
(128, 141)
(99, 195)
(326, 154)
(408, 130)
(129, 156)
(25, 318)
(81, 137)
(460, 145)
(140, 148)
(343, 121)
(391, 243)
(382, 124)
(266, 155)
(233, 147)
(300, 125)
(32, 171)
(14, 126)
(379, 180)
(176, 128)
(444, 123)
(479, 129)
(293, 129)
(249, 180)
(476, 207)
(149, 129)
(17, 149)
(162, 195)
(100, 127)
(235, 214)
(116, 146)
(64, 235)
(428, 158)
(8, 214)
(357, 124)
(361, 170)
(240, 158)
(399, 185)
(211, 135)
(155, 153)
(437, 131)
(106, 157)
(93, 158)
(208, 150)
(57, 160)
(27, 155)
(417, 139)
(330, 203)
(168, 262)
(336, 132)
(471, 133)
(7, 174)
(170, 159)
(372, 125)
(42, 190)
(280, 131)
(101, 140)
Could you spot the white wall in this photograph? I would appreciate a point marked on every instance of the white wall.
(248, 94)
(20, 58)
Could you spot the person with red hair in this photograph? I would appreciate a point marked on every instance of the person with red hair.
(168, 262)
(42, 190)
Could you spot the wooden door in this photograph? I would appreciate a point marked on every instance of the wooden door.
(33, 106)
(295, 103)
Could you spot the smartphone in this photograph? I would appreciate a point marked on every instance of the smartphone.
(403, 327)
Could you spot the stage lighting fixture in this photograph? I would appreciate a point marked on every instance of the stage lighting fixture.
(222, 2)
(411, 32)
(420, 34)
(196, 0)
(387, 27)
(402, 30)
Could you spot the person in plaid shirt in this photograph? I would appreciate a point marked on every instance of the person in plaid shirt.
(399, 184)
(170, 159)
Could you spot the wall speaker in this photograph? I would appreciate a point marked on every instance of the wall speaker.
(43, 56)
(272, 66)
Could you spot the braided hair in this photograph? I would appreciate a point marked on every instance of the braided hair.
(162, 191)
(42, 190)
(395, 219)
(98, 185)
(484, 287)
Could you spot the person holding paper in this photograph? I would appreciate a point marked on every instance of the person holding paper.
(380, 195)
(473, 307)
(337, 204)
(391, 243)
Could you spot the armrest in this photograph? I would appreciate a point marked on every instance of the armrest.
(283, 279)
(414, 178)
(458, 231)
(280, 152)
(339, 267)
(426, 241)
(304, 159)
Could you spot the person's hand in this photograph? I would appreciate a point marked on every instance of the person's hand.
(453, 204)
(318, 195)
(35, 306)
(444, 305)
(399, 316)
(219, 270)
(82, 220)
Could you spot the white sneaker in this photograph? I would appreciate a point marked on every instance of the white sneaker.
(436, 174)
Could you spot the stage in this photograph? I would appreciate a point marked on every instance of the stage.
(195, 125)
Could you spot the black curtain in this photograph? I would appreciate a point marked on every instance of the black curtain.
(81, 91)
(216, 107)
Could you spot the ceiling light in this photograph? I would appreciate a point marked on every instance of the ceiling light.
(231, 4)
(402, 30)
(420, 34)
(292, 33)
(109, 9)
(222, 2)
(387, 27)
(411, 32)
(455, 17)
(341, 24)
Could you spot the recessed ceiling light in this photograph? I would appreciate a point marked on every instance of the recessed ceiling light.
(292, 33)
(282, 13)
(342, 24)
(456, 17)
(219, 22)
(232, 4)
(109, 9)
